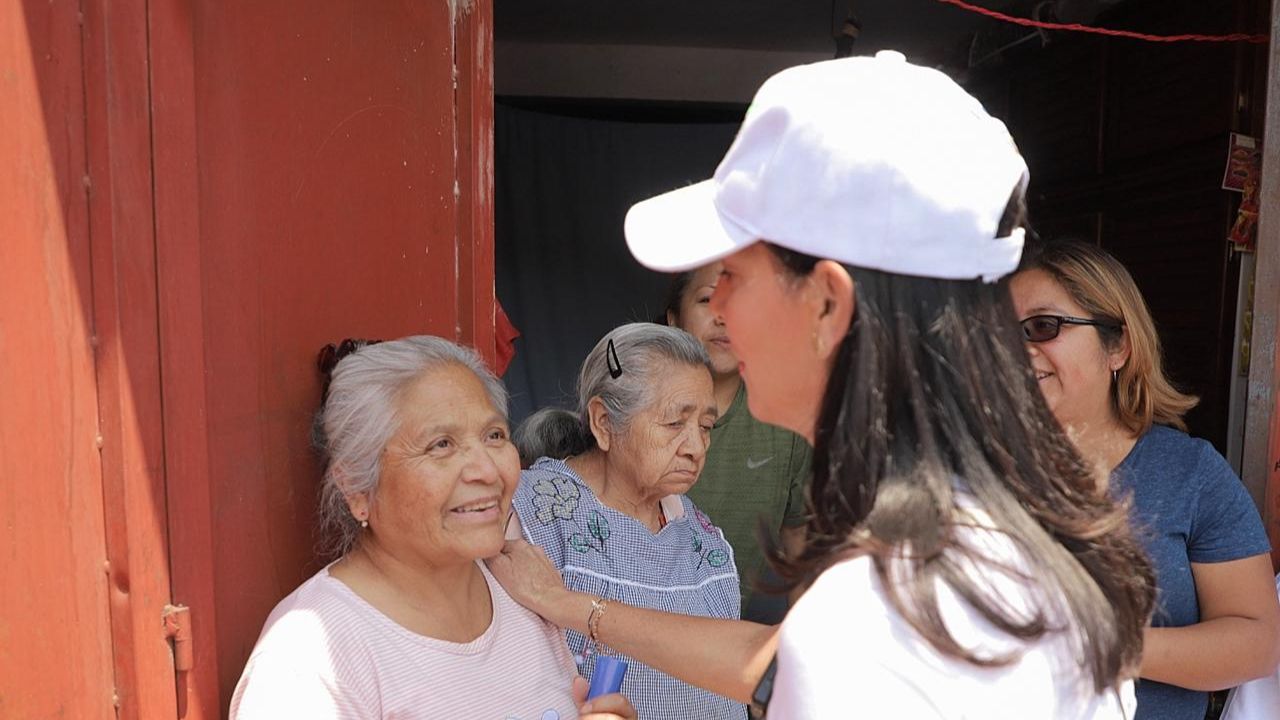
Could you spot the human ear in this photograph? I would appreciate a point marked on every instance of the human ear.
(598, 415)
(1119, 356)
(358, 504)
(833, 304)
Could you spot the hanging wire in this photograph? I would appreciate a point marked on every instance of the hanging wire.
(1075, 27)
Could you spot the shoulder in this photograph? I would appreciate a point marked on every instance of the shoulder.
(549, 469)
(845, 641)
(1173, 461)
(305, 623)
(854, 591)
(841, 622)
(311, 645)
(514, 615)
(738, 424)
(848, 588)
(548, 490)
(1163, 444)
(701, 522)
(536, 640)
(1173, 452)
(548, 500)
(545, 469)
(846, 607)
(307, 607)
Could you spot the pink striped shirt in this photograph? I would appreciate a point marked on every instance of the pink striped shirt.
(326, 653)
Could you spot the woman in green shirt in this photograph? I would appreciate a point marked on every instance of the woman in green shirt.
(755, 473)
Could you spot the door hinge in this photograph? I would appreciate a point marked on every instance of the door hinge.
(177, 627)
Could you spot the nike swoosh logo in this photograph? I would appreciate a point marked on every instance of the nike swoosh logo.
(753, 464)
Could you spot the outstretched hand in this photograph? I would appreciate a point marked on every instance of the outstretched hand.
(613, 706)
(528, 576)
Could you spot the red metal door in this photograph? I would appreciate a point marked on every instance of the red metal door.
(55, 647)
(194, 196)
(80, 443)
(322, 171)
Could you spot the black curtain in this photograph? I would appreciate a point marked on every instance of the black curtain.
(564, 177)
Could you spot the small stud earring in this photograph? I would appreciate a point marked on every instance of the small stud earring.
(364, 524)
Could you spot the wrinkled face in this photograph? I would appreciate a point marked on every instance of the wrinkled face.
(664, 446)
(697, 319)
(773, 336)
(1073, 369)
(448, 473)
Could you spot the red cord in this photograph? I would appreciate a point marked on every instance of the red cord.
(1234, 37)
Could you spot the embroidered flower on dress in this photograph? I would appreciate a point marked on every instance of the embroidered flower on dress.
(598, 528)
(714, 557)
(704, 521)
(555, 498)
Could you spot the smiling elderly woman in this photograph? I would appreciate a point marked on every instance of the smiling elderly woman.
(407, 623)
(613, 516)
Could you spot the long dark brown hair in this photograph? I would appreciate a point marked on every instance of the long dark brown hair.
(932, 396)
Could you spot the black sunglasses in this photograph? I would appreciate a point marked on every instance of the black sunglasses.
(1043, 328)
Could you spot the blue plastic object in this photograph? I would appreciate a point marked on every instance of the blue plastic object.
(607, 676)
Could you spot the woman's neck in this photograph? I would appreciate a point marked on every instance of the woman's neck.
(725, 388)
(447, 602)
(1103, 443)
(616, 490)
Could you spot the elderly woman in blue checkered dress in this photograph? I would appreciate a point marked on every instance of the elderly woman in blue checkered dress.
(611, 511)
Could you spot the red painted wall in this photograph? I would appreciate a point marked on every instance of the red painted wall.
(263, 178)
(55, 649)
(327, 154)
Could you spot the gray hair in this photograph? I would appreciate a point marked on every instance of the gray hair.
(359, 417)
(550, 432)
(644, 352)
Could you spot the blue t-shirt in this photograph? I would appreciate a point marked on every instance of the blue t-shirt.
(1188, 507)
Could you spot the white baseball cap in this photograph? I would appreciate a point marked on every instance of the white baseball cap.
(870, 161)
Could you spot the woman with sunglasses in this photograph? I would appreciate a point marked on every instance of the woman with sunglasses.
(961, 561)
(1096, 356)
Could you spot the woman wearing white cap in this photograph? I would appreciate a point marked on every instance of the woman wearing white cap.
(964, 563)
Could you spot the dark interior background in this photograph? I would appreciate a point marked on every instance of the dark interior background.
(565, 175)
(1126, 141)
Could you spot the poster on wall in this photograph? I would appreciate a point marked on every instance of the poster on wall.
(1244, 175)
(1244, 158)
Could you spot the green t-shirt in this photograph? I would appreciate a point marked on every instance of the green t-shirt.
(753, 470)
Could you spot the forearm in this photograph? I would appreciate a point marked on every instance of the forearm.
(1211, 655)
(727, 657)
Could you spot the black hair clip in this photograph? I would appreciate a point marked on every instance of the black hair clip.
(331, 355)
(611, 360)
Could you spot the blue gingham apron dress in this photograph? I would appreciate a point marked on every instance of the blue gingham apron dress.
(686, 568)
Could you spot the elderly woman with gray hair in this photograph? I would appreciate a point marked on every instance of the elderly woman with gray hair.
(407, 622)
(610, 510)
